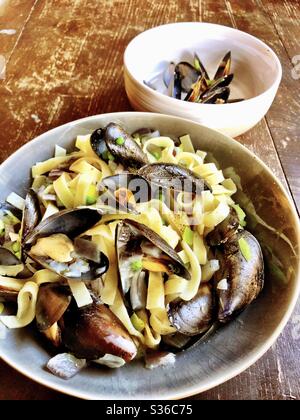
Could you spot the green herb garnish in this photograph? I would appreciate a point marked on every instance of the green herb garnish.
(245, 249)
(120, 141)
(241, 214)
(136, 265)
(92, 196)
(137, 322)
(188, 236)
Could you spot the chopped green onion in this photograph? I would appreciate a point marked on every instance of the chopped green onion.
(137, 322)
(105, 155)
(120, 141)
(157, 155)
(188, 236)
(136, 265)
(16, 247)
(241, 214)
(197, 64)
(245, 249)
(110, 156)
(91, 197)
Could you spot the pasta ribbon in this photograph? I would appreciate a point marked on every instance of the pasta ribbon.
(156, 291)
(119, 309)
(63, 191)
(160, 323)
(151, 339)
(27, 298)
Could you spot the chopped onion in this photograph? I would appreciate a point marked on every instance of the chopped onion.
(209, 269)
(16, 201)
(159, 358)
(14, 237)
(65, 365)
(222, 285)
(80, 293)
(110, 361)
(51, 209)
(60, 151)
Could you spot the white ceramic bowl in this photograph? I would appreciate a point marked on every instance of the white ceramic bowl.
(257, 73)
(232, 348)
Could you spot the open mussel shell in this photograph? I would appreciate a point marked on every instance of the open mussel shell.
(72, 224)
(220, 83)
(31, 214)
(8, 258)
(168, 75)
(5, 207)
(172, 176)
(224, 67)
(177, 88)
(193, 317)
(130, 234)
(188, 75)
(245, 278)
(218, 95)
(93, 331)
(200, 67)
(96, 269)
(69, 222)
(197, 89)
(52, 302)
(117, 142)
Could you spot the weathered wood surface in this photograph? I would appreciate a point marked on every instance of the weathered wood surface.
(64, 61)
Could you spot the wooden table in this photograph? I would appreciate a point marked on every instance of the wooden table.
(64, 61)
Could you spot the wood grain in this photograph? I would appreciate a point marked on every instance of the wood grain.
(65, 62)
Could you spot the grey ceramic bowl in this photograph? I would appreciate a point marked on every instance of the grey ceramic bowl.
(231, 349)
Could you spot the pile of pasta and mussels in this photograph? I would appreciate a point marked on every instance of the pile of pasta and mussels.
(130, 246)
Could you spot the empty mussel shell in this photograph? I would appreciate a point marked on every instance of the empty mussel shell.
(219, 95)
(188, 75)
(224, 67)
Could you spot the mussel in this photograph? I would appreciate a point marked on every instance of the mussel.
(195, 80)
(225, 230)
(93, 331)
(140, 248)
(240, 279)
(114, 143)
(172, 176)
(11, 265)
(52, 302)
(224, 67)
(31, 214)
(57, 244)
(195, 316)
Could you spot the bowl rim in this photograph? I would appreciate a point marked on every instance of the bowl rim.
(192, 105)
(241, 365)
